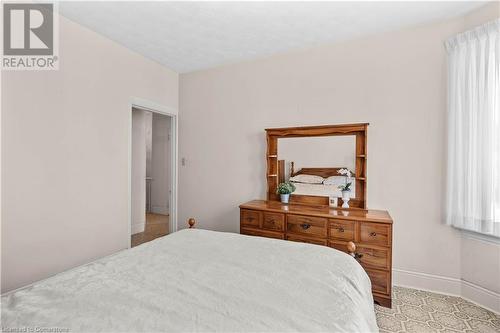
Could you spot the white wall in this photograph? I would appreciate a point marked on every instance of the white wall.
(160, 164)
(149, 141)
(139, 157)
(65, 154)
(395, 81)
(480, 259)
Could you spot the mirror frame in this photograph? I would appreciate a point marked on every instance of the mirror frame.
(272, 172)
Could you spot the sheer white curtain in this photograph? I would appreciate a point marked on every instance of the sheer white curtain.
(473, 173)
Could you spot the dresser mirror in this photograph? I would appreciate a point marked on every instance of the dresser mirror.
(312, 157)
(322, 156)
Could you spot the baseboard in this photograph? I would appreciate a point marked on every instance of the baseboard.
(163, 210)
(138, 227)
(486, 298)
(482, 296)
(429, 282)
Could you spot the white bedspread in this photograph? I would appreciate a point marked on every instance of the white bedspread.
(203, 281)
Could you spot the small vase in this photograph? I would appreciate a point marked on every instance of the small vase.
(346, 196)
(285, 198)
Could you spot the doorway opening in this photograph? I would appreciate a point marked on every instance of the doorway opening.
(152, 180)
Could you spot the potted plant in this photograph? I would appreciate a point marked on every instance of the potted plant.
(284, 190)
(345, 188)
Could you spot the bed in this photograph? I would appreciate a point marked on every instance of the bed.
(319, 190)
(203, 281)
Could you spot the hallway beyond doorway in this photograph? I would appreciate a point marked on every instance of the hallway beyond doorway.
(152, 173)
(156, 226)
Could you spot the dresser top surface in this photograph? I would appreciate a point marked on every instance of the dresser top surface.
(381, 216)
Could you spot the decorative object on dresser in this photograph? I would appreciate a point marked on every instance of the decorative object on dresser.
(346, 187)
(333, 202)
(370, 232)
(284, 190)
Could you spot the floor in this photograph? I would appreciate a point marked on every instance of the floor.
(156, 226)
(420, 311)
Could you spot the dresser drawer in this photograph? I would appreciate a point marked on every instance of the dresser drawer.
(306, 225)
(374, 257)
(381, 280)
(262, 233)
(306, 240)
(374, 233)
(273, 221)
(341, 246)
(250, 218)
(342, 230)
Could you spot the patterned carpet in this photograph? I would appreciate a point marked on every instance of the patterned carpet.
(421, 311)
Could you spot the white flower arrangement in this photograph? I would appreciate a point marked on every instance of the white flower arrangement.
(348, 183)
(345, 172)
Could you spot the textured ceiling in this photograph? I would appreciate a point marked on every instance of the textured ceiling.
(188, 36)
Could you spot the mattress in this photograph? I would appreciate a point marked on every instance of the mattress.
(203, 281)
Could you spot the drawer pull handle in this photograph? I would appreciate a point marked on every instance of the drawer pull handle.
(340, 229)
(271, 221)
(305, 226)
(373, 234)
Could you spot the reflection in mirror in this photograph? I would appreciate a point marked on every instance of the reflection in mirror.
(312, 164)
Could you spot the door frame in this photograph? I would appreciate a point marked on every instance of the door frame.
(146, 105)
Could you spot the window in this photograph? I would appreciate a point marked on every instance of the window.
(473, 172)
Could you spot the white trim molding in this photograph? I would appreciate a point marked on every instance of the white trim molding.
(482, 296)
(142, 103)
(450, 286)
(480, 237)
(137, 228)
(429, 282)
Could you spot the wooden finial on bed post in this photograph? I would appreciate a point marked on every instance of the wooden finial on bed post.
(351, 248)
(191, 223)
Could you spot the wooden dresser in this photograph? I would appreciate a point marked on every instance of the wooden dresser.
(369, 230)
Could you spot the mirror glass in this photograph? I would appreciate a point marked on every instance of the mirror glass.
(321, 157)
